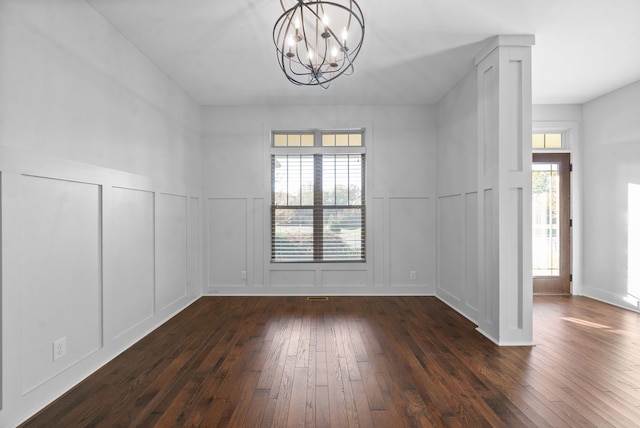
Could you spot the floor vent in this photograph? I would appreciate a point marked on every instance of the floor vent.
(318, 298)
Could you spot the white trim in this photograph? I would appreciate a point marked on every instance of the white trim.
(570, 130)
(504, 41)
(268, 267)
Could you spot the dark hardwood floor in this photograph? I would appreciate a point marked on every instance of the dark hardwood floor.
(364, 361)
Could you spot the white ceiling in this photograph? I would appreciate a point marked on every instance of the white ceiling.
(222, 53)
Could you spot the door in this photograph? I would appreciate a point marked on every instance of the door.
(551, 223)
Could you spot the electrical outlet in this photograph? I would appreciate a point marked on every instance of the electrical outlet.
(412, 275)
(59, 348)
(243, 274)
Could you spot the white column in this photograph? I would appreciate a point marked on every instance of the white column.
(504, 190)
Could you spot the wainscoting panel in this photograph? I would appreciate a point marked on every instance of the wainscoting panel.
(132, 287)
(193, 246)
(377, 247)
(513, 258)
(227, 242)
(61, 289)
(344, 278)
(292, 278)
(171, 249)
(256, 277)
(93, 257)
(450, 246)
(489, 255)
(471, 255)
(409, 240)
(458, 252)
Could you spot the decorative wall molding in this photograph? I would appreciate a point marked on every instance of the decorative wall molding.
(504, 190)
(238, 244)
(89, 254)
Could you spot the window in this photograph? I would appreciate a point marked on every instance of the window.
(546, 141)
(318, 197)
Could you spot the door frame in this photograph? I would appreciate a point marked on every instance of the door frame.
(559, 284)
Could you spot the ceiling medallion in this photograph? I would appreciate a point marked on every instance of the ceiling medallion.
(317, 41)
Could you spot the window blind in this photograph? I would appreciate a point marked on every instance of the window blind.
(318, 211)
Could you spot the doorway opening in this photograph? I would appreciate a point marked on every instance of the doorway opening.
(551, 223)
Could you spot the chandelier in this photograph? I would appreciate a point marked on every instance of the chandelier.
(317, 41)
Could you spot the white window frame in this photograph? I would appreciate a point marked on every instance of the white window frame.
(320, 150)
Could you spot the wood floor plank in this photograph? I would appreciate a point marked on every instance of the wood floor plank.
(269, 413)
(363, 410)
(323, 411)
(364, 361)
(296, 416)
(244, 414)
(312, 370)
(284, 391)
(257, 408)
(371, 387)
(337, 401)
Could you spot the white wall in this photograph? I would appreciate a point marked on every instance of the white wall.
(611, 157)
(556, 117)
(401, 161)
(604, 142)
(457, 170)
(66, 70)
(100, 198)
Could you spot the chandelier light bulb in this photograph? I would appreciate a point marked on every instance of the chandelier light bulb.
(334, 55)
(296, 25)
(325, 20)
(291, 43)
(344, 35)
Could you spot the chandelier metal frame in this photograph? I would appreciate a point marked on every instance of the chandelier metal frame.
(309, 48)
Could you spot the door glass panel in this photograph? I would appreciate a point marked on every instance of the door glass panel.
(545, 215)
